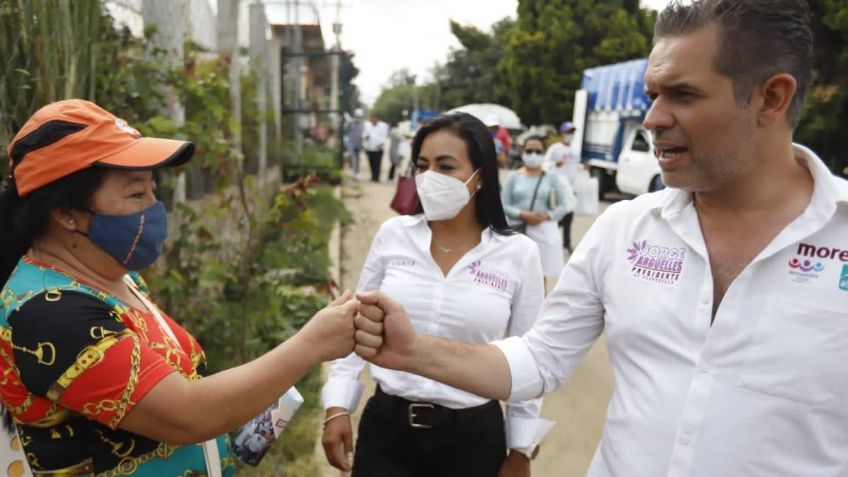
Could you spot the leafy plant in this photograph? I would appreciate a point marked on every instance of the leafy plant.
(317, 160)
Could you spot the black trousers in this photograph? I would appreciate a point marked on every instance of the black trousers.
(375, 160)
(566, 230)
(471, 445)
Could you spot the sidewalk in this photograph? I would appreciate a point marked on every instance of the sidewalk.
(578, 407)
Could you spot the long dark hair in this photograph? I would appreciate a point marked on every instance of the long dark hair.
(481, 150)
(24, 220)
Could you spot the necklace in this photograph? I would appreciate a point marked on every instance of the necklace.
(447, 250)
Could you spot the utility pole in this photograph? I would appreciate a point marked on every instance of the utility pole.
(337, 119)
(228, 19)
(300, 70)
(259, 59)
(170, 20)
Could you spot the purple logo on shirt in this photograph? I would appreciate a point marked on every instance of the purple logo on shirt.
(487, 276)
(806, 265)
(804, 271)
(655, 263)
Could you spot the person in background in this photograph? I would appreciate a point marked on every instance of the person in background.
(97, 378)
(535, 201)
(396, 139)
(723, 298)
(503, 136)
(374, 138)
(561, 160)
(355, 132)
(462, 274)
(501, 143)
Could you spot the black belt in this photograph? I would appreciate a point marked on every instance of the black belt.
(426, 415)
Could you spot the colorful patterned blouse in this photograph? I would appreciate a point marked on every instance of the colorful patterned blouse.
(74, 361)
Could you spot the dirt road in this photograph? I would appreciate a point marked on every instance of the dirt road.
(578, 407)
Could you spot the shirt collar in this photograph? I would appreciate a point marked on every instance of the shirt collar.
(423, 235)
(828, 190)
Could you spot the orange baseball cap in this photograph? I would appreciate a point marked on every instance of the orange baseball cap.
(67, 136)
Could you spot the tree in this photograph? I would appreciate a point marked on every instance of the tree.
(825, 117)
(350, 93)
(552, 43)
(471, 74)
(397, 99)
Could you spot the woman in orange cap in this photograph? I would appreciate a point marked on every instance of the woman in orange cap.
(97, 378)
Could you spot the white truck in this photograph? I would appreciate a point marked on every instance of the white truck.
(608, 113)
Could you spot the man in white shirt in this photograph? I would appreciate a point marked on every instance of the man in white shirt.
(561, 160)
(724, 299)
(374, 137)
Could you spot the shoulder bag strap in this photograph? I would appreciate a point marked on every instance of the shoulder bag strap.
(536, 191)
(210, 447)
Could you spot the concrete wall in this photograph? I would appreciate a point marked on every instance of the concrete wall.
(201, 19)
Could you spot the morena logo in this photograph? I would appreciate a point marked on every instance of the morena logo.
(806, 265)
(824, 253)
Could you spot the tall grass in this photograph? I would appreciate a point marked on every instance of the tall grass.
(48, 52)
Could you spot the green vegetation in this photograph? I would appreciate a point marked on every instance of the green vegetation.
(825, 117)
(533, 65)
(249, 263)
(555, 40)
(240, 304)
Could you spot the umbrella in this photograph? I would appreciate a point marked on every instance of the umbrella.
(481, 111)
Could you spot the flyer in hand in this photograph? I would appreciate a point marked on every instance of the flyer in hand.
(252, 441)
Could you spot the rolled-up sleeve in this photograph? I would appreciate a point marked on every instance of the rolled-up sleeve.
(343, 388)
(571, 320)
(524, 428)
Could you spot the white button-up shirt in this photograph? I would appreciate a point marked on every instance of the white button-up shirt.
(495, 290)
(374, 136)
(763, 392)
(567, 171)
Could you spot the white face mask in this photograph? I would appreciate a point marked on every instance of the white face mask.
(532, 160)
(442, 196)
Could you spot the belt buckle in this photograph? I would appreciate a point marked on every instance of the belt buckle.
(412, 415)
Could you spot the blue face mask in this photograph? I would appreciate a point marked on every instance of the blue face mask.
(134, 240)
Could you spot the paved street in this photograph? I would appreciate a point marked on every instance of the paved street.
(578, 407)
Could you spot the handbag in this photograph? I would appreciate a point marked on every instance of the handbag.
(405, 201)
(11, 452)
(522, 227)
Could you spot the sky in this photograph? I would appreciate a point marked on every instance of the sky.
(388, 35)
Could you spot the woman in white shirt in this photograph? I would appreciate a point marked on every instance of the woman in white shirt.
(462, 274)
(536, 201)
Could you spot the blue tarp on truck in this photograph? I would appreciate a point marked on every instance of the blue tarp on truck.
(615, 95)
(617, 87)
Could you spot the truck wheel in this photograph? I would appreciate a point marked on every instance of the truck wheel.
(656, 184)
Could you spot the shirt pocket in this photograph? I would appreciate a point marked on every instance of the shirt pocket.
(799, 350)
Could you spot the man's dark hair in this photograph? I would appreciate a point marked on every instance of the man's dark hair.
(757, 40)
